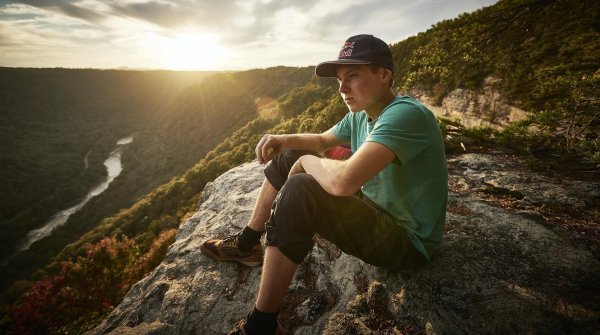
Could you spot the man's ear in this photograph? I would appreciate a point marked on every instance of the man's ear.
(387, 74)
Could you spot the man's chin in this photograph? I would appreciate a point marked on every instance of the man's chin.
(354, 109)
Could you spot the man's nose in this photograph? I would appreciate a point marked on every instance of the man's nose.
(343, 87)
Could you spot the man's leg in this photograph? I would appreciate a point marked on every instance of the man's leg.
(354, 224)
(262, 207)
(276, 174)
(278, 272)
(244, 247)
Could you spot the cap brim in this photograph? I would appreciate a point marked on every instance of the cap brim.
(328, 69)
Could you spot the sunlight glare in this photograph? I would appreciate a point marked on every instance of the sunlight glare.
(187, 51)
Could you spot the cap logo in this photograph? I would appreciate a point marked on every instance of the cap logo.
(347, 49)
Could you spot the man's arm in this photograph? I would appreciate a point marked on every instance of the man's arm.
(343, 178)
(271, 145)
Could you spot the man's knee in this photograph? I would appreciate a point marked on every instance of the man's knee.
(291, 225)
(299, 193)
(302, 184)
(277, 170)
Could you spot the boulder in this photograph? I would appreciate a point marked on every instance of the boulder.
(498, 270)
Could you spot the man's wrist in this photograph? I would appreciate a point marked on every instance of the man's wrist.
(283, 140)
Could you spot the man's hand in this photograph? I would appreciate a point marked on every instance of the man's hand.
(296, 168)
(268, 147)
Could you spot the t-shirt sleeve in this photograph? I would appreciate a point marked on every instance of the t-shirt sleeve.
(342, 129)
(404, 129)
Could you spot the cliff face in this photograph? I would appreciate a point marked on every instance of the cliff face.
(500, 270)
(475, 109)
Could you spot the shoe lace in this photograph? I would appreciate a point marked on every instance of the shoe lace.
(230, 241)
(239, 328)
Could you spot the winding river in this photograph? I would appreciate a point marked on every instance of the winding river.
(113, 167)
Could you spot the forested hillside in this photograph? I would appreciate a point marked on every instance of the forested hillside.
(52, 121)
(175, 119)
(545, 53)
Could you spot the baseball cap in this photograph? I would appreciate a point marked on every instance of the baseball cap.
(359, 49)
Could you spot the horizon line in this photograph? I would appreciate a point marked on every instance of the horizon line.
(126, 68)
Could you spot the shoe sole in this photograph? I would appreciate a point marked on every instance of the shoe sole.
(210, 254)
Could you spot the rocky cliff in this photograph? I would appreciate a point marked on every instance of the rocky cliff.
(483, 108)
(511, 262)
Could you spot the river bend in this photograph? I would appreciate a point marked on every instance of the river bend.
(113, 167)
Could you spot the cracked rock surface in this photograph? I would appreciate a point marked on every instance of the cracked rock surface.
(499, 270)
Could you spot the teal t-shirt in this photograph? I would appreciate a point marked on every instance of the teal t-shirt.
(414, 187)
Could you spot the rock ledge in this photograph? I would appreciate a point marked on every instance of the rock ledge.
(498, 271)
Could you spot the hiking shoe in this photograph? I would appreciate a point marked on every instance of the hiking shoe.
(240, 329)
(227, 250)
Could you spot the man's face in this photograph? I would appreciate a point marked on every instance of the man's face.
(360, 87)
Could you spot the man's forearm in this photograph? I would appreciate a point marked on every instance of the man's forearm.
(271, 145)
(330, 174)
(312, 142)
(343, 178)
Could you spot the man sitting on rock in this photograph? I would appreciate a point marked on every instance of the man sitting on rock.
(386, 204)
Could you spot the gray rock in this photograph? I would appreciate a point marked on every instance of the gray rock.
(497, 272)
(480, 171)
(486, 107)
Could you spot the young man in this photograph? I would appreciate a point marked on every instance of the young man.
(386, 204)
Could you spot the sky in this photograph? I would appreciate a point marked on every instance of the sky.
(207, 34)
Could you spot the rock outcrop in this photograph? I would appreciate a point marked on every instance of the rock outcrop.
(475, 109)
(498, 271)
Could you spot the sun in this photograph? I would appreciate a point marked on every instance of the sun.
(187, 51)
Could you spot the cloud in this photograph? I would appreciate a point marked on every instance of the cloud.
(81, 13)
(276, 22)
(67, 7)
(35, 36)
(237, 23)
(5, 40)
(208, 14)
(385, 19)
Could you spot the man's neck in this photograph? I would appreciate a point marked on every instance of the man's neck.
(386, 99)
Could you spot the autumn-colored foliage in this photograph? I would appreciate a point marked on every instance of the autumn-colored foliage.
(87, 288)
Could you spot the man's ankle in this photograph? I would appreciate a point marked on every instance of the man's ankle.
(248, 238)
(261, 323)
